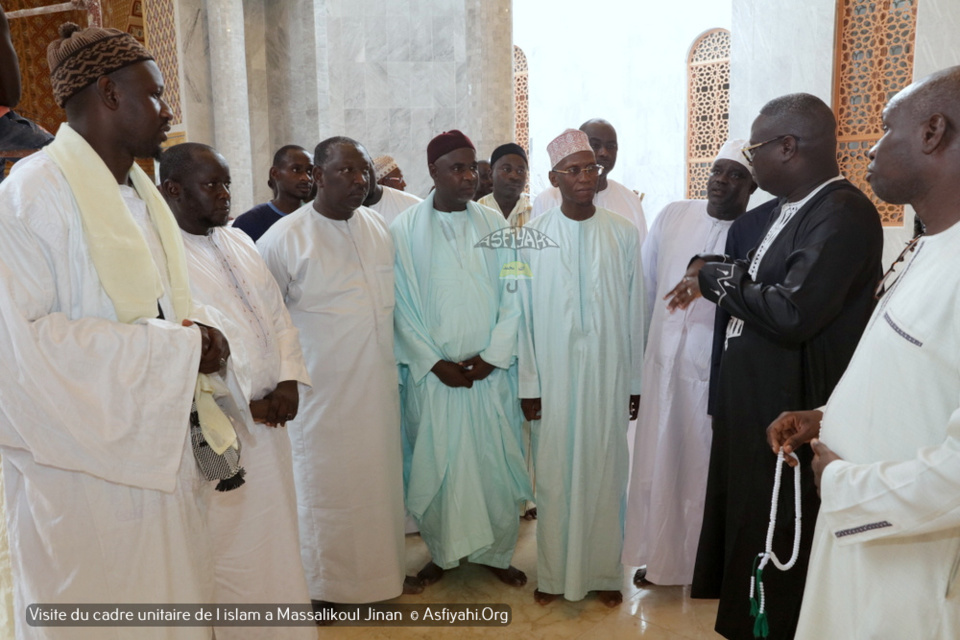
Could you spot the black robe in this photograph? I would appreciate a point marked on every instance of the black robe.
(745, 233)
(803, 316)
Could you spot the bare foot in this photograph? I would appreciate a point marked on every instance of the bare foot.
(412, 586)
(530, 514)
(511, 575)
(430, 574)
(318, 607)
(544, 599)
(610, 598)
(640, 577)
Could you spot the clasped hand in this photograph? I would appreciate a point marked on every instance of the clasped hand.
(462, 374)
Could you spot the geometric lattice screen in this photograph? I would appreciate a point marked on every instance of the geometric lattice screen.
(873, 61)
(521, 100)
(708, 107)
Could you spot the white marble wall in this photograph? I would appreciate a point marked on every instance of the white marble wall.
(258, 74)
(402, 71)
(624, 61)
(778, 48)
(938, 23)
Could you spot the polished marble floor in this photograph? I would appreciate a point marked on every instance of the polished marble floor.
(652, 613)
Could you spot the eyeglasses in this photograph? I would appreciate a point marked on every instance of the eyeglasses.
(748, 152)
(589, 170)
(890, 277)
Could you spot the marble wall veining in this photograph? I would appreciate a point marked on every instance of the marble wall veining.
(231, 104)
(255, 35)
(402, 72)
(196, 90)
(259, 74)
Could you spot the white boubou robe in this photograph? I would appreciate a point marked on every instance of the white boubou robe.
(337, 280)
(393, 202)
(887, 543)
(672, 444)
(257, 546)
(105, 502)
(581, 352)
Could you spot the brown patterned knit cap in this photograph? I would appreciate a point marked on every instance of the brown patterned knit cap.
(80, 56)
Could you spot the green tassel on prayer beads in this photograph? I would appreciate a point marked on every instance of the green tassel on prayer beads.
(761, 628)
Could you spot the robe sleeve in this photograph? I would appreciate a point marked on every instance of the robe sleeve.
(412, 342)
(292, 365)
(828, 259)
(862, 502)
(502, 350)
(528, 372)
(639, 324)
(649, 255)
(503, 339)
(79, 390)
(274, 256)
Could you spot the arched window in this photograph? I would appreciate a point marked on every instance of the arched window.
(521, 101)
(708, 106)
(874, 60)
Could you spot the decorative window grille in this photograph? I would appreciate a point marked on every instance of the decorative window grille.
(708, 106)
(521, 92)
(873, 61)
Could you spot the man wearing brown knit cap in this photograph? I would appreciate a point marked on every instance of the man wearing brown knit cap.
(456, 342)
(105, 501)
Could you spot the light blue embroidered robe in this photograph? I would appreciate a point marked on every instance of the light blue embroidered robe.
(464, 469)
(581, 352)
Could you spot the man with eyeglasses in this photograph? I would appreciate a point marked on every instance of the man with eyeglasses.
(611, 195)
(580, 354)
(386, 195)
(456, 341)
(798, 307)
(672, 444)
(886, 452)
(509, 164)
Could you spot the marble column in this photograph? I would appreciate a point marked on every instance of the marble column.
(231, 109)
(196, 97)
(485, 92)
(298, 73)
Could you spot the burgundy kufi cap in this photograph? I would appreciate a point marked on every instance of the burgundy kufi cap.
(445, 143)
